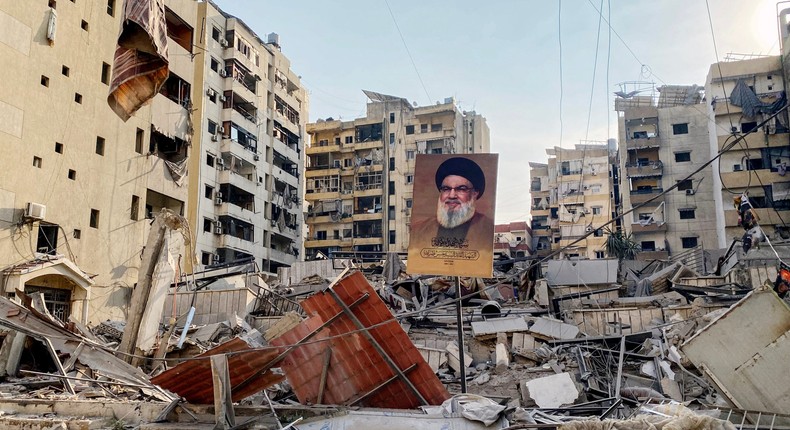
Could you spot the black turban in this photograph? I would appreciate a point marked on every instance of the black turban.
(464, 167)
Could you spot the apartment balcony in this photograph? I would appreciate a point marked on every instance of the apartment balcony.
(285, 150)
(641, 196)
(368, 190)
(576, 197)
(314, 171)
(539, 212)
(643, 143)
(315, 148)
(321, 243)
(652, 255)
(365, 216)
(328, 194)
(237, 180)
(286, 122)
(228, 241)
(741, 179)
(541, 231)
(723, 107)
(368, 240)
(244, 152)
(227, 209)
(651, 169)
(766, 217)
(652, 227)
(281, 257)
(755, 140)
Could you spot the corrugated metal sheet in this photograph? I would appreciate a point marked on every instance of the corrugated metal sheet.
(355, 367)
(192, 379)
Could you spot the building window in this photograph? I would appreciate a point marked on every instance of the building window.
(84, 25)
(688, 242)
(392, 187)
(409, 129)
(134, 210)
(598, 233)
(205, 258)
(37, 162)
(687, 214)
(409, 179)
(436, 151)
(44, 81)
(648, 245)
(78, 98)
(392, 237)
(680, 128)
(209, 160)
(349, 139)
(747, 127)
(682, 157)
(53, 4)
(410, 155)
(392, 138)
(65, 70)
(105, 73)
(207, 224)
(320, 235)
(214, 65)
(138, 141)
(47, 242)
(94, 221)
(423, 128)
(58, 147)
(436, 127)
(600, 254)
(685, 185)
(337, 141)
(208, 192)
(215, 33)
(100, 145)
(77, 233)
(72, 174)
(408, 203)
(111, 7)
(392, 164)
(596, 210)
(392, 117)
(212, 127)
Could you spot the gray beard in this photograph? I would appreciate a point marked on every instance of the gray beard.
(454, 218)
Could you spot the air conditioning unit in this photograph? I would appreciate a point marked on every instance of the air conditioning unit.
(223, 43)
(218, 228)
(737, 167)
(211, 93)
(218, 194)
(220, 163)
(256, 157)
(222, 98)
(223, 73)
(690, 192)
(35, 211)
(221, 129)
(215, 259)
(218, 201)
(214, 138)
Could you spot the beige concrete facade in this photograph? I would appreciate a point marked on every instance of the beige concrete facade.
(580, 186)
(755, 164)
(360, 173)
(540, 208)
(64, 151)
(513, 240)
(247, 172)
(662, 140)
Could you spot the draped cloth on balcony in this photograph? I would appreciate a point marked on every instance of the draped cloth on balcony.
(140, 65)
(745, 98)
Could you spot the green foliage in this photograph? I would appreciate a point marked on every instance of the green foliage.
(621, 245)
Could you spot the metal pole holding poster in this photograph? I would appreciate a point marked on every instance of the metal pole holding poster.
(459, 309)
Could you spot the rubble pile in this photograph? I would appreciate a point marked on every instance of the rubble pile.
(657, 351)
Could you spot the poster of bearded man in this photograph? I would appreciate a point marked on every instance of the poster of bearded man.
(452, 228)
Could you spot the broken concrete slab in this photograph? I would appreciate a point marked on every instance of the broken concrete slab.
(453, 357)
(553, 391)
(553, 329)
(499, 325)
(501, 358)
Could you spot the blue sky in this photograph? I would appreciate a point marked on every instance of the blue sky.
(501, 58)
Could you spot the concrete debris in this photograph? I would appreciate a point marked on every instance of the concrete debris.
(334, 344)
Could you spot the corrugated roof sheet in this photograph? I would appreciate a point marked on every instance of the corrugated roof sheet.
(192, 379)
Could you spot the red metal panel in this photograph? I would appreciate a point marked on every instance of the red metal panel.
(192, 379)
(355, 366)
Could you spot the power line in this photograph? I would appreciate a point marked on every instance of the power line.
(407, 51)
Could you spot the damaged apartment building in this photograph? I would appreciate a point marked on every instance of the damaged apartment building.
(247, 172)
(360, 173)
(79, 187)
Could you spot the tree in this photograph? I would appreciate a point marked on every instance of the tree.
(621, 245)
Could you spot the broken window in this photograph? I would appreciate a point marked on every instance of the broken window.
(105, 73)
(688, 242)
(436, 127)
(368, 133)
(215, 32)
(177, 90)
(178, 30)
(685, 185)
(680, 128)
(648, 245)
(170, 149)
(682, 157)
(747, 127)
(135, 209)
(139, 138)
(47, 242)
(290, 113)
(56, 300)
(686, 213)
(392, 117)
(94, 219)
(423, 128)
(214, 65)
